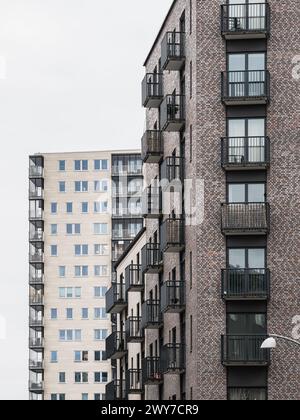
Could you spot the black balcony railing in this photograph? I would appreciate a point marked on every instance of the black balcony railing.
(116, 299)
(173, 51)
(133, 330)
(243, 350)
(172, 113)
(115, 390)
(246, 284)
(36, 279)
(152, 371)
(36, 365)
(36, 322)
(152, 146)
(36, 386)
(36, 236)
(36, 300)
(173, 296)
(36, 171)
(36, 215)
(134, 381)
(172, 235)
(172, 169)
(151, 258)
(151, 314)
(36, 342)
(173, 358)
(245, 153)
(134, 279)
(36, 257)
(116, 345)
(37, 193)
(245, 20)
(152, 90)
(152, 202)
(245, 218)
(246, 87)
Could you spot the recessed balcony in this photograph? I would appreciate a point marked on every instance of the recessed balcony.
(36, 322)
(245, 153)
(36, 343)
(36, 299)
(172, 113)
(152, 146)
(172, 169)
(172, 358)
(152, 90)
(173, 297)
(116, 299)
(36, 279)
(152, 371)
(172, 235)
(133, 330)
(173, 51)
(152, 202)
(244, 350)
(36, 167)
(151, 315)
(134, 279)
(134, 382)
(116, 346)
(246, 87)
(36, 257)
(245, 284)
(36, 366)
(116, 390)
(152, 259)
(36, 211)
(245, 21)
(245, 219)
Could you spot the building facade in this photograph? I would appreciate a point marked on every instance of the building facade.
(215, 270)
(74, 202)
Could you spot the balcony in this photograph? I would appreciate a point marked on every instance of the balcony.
(133, 330)
(116, 345)
(172, 113)
(245, 153)
(134, 279)
(152, 90)
(124, 234)
(172, 169)
(245, 219)
(36, 366)
(116, 390)
(36, 279)
(245, 21)
(244, 350)
(36, 257)
(151, 259)
(36, 215)
(36, 300)
(151, 315)
(36, 386)
(173, 51)
(36, 343)
(36, 322)
(245, 284)
(173, 358)
(152, 146)
(172, 235)
(134, 383)
(152, 371)
(36, 194)
(246, 87)
(152, 203)
(173, 297)
(116, 299)
(127, 170)
(36, 236)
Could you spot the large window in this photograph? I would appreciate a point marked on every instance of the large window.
(81, 165)
(243, 258)
(247, 193)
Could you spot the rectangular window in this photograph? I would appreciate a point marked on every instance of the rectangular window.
(100, 377)
(69, 292)
(53, 250)
(101, 207)
(69, 208)
(69, 313)
(84, 207)
(100, 270)
(62, 377)
(69, 335)
(99, 397)
(53, 208)
(85, 313)
(100, 335)
(101, 165)
(53, 229)
(62, 165)
(53, 357)
(81, 377)
(81, 271)
(100, 313)
(100, 292)
(99, 356)
(84, 397)
(73, 229)
(53, 313)
(81, 186)
(81, 250)
(101, 186)
(101, 249)
(58, 397)
(62, 186)
(100, 228)
(81, 165)
(62, 271)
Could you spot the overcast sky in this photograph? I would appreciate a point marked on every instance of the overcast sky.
(70, 73)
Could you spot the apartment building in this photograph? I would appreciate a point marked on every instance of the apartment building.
(76, 224)
(215, 269)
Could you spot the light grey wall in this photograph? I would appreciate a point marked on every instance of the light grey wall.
(70, 73)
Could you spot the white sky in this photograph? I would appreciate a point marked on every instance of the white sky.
(73, 73)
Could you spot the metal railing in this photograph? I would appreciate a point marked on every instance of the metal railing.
(252, 283)
(173, 296)
(151, 314)
(133, 329)
(151, 258)
(36, 300)
(116, 297)
(152, 202)
(36, 386)
(172, 235)
(172, 112)
(36, 215)
(36, 342)
(152, 146)
(36, 171)
(152, 89)
(245, 151)
(115, 390)
(244, 350)
(36, 257)
(172, 169)
(124, 234)
(36, 236)
(152, 370)
(134, 278)
(36, 322)
(36, 280)
(245, 217)
(134, 382)
(127, 170)
(173, 357)
(173, 49)
(115, 345)
(35, 364)
(246, 85)
(36, 194)
(245, 18)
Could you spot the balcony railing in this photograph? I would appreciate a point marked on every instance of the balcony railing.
(245, 218)
(116, 299)
(127, 170)
(36, 386)
(152, 202)
(246, 87)
(36, 343)
(151, 258)
(134, 279)
(172, 235)
(134, 384)
(36, 322)
(36, 171)
(240, 153)
(133, 329)
(246, 284)
(36, 279)
(172, 113)
(116, 390)
(35, 365)
(36, 236)
(152, 90)
(36, 194)
(152, 146)
(241, 21)
(124, 234)
(151, 314)
(36, 300)
(37, 257)
(172, 169)
(152, 371)
(173, 358)
(244, 350)
(116, 345)
(173, 51)
(36, 215)
(173, 296)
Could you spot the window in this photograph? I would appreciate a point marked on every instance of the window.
(100, 270)
(53, 250)
(81, 250)
(100, 228)
(62, 186)
(247, 258)
(53, 357)
(100, 377)
(191, 270)
(84, 207)
(84, 313)
(58, 397)
(191, 143)
(247, 394)
(101, 186)
(99, 397)
(84, 397)
(191, 334)
(62, 271)
(191, 80)
(53, 229)
(81, 271)
(101, 249)
(101, 165)
(53, 313)
(100, 335)
(247, 193)
(73, 229)
(69, 208)
(69, 313)
(81, 186)
(69, 292)
(246, 324)
(62, 377)
(62, 165)
(81, 377)
(81, 165)
(69, 335)
(53, 208)
(100, 207)
(99, 356)
(100, 313)
(100, 292)
(81, 356)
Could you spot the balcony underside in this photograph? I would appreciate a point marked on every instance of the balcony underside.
(245, 232)
(153, 101)
(174, 126)
(174, 248)
(117, 308)
(153, 269)
(135, 288)
(246, 100)
(174, 63)
(152, 157)
(254, 166)
(118, 354)
(232, 35)
(173, 309)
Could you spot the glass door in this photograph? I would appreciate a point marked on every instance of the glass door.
(247, 15)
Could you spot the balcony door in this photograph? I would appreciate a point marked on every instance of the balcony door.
(247, 74)
(247, 193)
(247, 15)
(246, 140)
